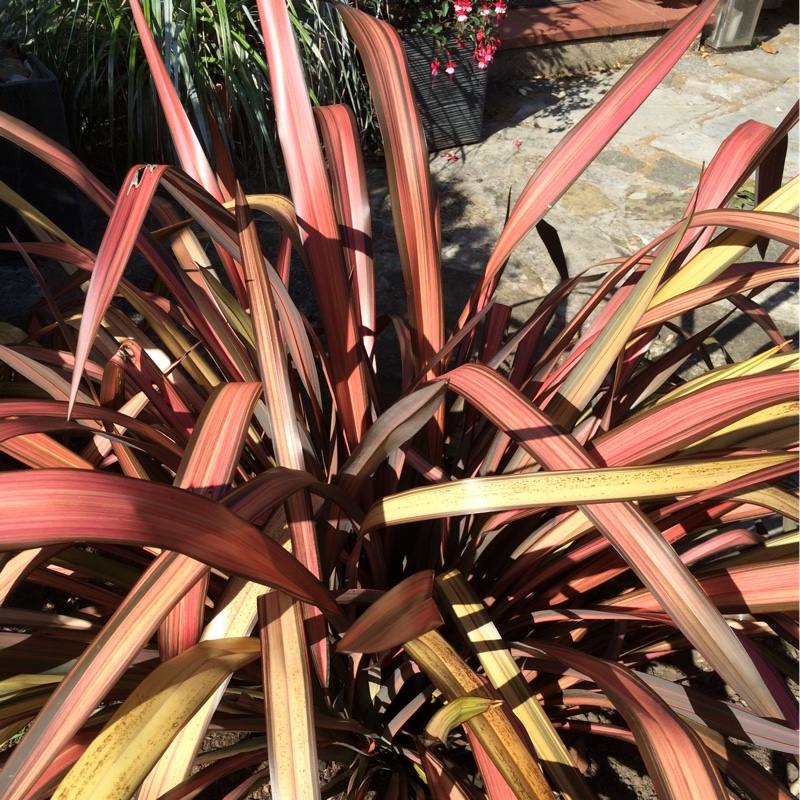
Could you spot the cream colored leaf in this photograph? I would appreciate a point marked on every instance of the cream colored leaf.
(453, 714)
(560, 488)
(143, 726)
(292, 743)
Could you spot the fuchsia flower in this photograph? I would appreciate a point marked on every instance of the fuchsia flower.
(462, 9)
(484, 53)
(476, 29)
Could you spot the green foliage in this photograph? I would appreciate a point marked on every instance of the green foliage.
(744, 198)
(539, 515)
(214, 54)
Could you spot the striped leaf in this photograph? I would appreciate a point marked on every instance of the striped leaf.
(475, 626)
(674, 756)
(493, 729)
(337, 126)
(628, 530)
(117, 760)
(408, 172)
(46, 507)
(405, 612)
(208, 468)
(288, 702)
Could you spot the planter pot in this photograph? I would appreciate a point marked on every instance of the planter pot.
(37, 101)
(735, 24)
(451, 107)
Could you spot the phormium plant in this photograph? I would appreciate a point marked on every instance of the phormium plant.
(237, 535)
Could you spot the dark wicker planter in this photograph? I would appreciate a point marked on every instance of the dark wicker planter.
(451, 107)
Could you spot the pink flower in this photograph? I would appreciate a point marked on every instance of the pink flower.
(479, 35)
(500, 7)
(452, 157)
(484, 54)
(463, 10)
(435, 67)
(517, 143)
(450, 68)
(485, 10)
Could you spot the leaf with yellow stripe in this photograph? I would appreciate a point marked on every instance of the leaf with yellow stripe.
(454, 678)
(143, 726)
(725, 249)
(561, 488)
(472, 620)
(585, 378)
(453, 714)
(288, 700)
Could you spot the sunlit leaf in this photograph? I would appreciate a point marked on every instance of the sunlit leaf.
(405, 612)
(117, 761)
